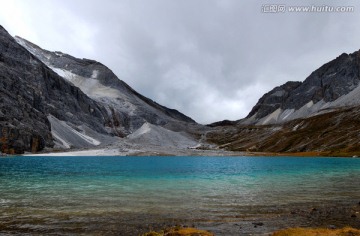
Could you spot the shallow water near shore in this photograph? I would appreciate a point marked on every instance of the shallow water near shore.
(125, 195)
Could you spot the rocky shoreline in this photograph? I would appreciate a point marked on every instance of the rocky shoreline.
(328, 215)
(253, 220)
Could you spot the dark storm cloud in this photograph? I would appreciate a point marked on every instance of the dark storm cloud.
(211, 60)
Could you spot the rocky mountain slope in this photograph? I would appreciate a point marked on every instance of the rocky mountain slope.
(127, 109)
(318, 115)
(30, 93)
(333, 133)
(56, 101)
(333, 85)
(51, 99)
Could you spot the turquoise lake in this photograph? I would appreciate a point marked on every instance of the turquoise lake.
(124, 195)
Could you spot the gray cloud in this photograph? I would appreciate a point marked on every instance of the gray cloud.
(210, 59)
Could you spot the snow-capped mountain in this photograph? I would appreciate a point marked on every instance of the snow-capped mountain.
(334, 85)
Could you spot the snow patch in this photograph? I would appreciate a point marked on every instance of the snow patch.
(59, 54)
(297, 126)
(309, 104)
(95, 74)
(35, 51)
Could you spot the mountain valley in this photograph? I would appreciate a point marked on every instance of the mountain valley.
(52, 102)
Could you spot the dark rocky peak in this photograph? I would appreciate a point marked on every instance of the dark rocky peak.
(145, 108)
(328, 83)
(3, 29)
(273, 100)
(83, 67)
(30, 92)
(331, 81)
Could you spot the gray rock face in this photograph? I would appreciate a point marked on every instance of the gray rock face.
(126, 109)
(328, 83)
(51, 98)
(273, 100)
(29, 92)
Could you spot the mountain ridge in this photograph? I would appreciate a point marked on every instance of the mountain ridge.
(318, 116)
(30, 91)
(107, 77)
(321, 90)
(64, 102)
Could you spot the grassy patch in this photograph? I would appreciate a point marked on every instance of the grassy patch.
(317, 232)
(331, 134)
(179, 231)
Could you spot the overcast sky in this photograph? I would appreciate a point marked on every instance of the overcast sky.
(210, 59)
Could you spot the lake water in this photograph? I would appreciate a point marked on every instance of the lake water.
(119, 195)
